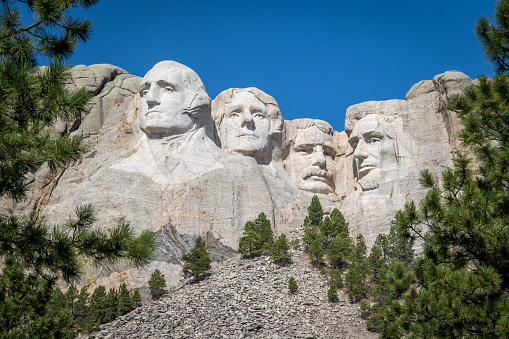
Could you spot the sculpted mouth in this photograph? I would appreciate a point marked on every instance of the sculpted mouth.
(316, 174)
(248, 135)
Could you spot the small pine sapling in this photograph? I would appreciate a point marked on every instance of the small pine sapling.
(197, 261)
(157, 284)
(332, 293)
(292, 285)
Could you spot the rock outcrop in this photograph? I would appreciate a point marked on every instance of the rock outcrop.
(165, 157)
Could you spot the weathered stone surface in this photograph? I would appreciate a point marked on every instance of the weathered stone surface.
(391, 142)
(159, 161)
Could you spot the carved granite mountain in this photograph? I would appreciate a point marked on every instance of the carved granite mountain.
(165, 157)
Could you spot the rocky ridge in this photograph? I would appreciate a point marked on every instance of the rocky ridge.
(246, 298)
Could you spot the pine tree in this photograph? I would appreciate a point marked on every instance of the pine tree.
(157, 285)
(125, 304)
(339, 250)
(58, 314)
(339, 225)
(81, 308)
(111, 305)
(197, 262)
(97, 309)
(315, 212)
(71, 297)
(316, 251)
(257, 238)
(355, 278)
(136, 300)
(279, 251)
(460, 286)
(292, 285)
(34, 255)
(332, 293)
(334, 277)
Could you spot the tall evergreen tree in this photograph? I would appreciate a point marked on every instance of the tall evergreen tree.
(71, 297)
(197, 262)
(292, 285)
(257, 238)
(97, 309)
(125, 303)
(81, 307)
(111, 305)
(157, 285)
(355, 278)
(33, 254)
(315, 211)
(136, 300)
(280, 250)
(460, 286)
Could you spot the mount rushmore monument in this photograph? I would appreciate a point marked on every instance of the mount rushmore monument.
(165, 157)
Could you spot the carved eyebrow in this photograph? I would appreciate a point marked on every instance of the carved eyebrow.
(329, 149)
(303, 146)
(371, 134)
(144, 86)
(164, 83)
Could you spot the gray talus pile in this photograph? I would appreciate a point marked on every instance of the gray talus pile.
(246, 299)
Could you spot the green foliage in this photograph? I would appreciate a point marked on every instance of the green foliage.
(332, 293)
(316, 252)
(111, 305)
(292, 285)
(136, 300)
(295, 244)
(279, 251)
(355, 278)
(34, 254)
(81, 307)
(257, 238)
(315, 212)
(157, 284)
(338, 251)
(97, 309)
(197, 261)
(460, 286)
(334, 277)
(125, 303)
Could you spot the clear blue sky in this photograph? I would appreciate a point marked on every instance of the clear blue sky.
(315, 58)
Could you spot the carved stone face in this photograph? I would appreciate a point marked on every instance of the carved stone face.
(311, 161)
(163, 97)
(246, 125)
(370, 144)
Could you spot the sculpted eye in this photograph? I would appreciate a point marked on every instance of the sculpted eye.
(373, 140)
(168, 89)
(144, 92)
(258, 114)
(306, 151)
(234, 114)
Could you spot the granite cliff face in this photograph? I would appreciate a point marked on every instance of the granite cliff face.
(166, 157)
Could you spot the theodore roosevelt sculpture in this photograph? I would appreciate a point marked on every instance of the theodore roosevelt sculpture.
(310, 160)
(248, 122)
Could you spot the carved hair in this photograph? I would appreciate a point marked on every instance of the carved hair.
(293, 127)
(197, 102)
(322, 125)
(387, 110)
(225, 97)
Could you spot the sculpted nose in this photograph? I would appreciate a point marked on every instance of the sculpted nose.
(318, 158)
(152, 97)
(360, 151)
(247, 119)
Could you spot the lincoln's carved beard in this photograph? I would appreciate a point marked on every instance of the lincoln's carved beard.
(371, 180)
